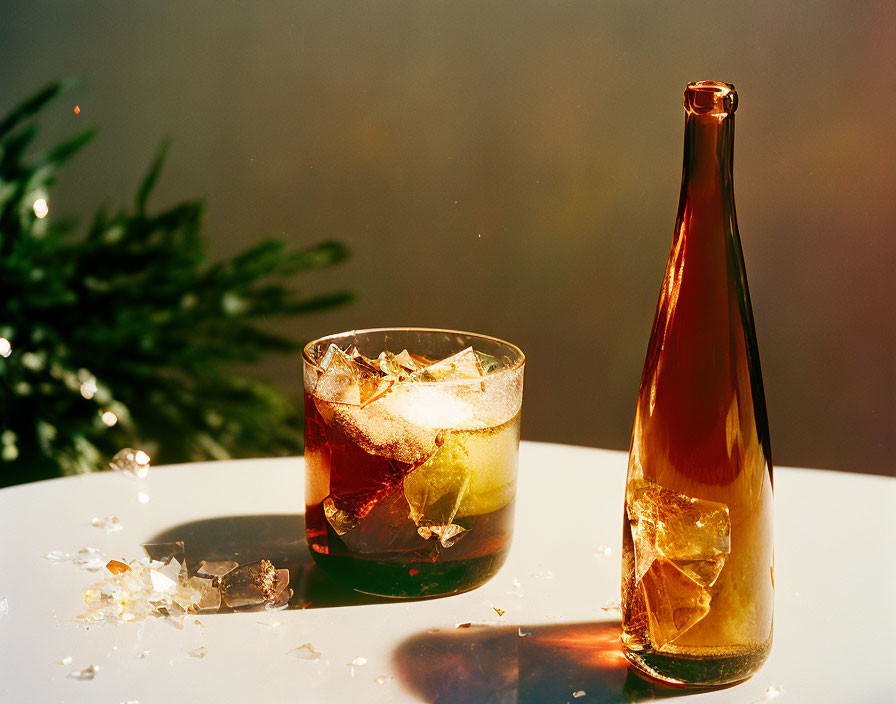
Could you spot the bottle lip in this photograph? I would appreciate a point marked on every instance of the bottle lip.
(712, 98)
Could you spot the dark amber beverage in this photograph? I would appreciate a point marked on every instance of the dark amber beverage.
(411, 458)
(698, 561)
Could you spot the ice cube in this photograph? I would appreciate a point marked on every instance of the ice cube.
(694, 534)
(681, 544)
(280, 591)
(398, 366)
(351, 381)
(216, 568)
(329, 355)
(208, 593)
(166, 552)
(252, 584)
(342, 519)
(434, 405)
(89, 559)
(410, 362)
(470, 475)
(380, 430)
(359, 480)
(447, 535)
(434, 490)
(487, 363)
(675, 602)
(166, 578)
(353, 352)
(386, 528)
(458, 367)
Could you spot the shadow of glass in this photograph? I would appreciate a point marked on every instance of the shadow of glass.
(579, 662)
(278, 538)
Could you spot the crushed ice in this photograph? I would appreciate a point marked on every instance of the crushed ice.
(109, 524)
(89, 558)
(159, 586)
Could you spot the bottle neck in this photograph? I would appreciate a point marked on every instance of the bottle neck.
(708, 170)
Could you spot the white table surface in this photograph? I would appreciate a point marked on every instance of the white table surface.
(834, 626)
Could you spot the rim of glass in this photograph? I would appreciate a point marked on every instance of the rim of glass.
(517, 364)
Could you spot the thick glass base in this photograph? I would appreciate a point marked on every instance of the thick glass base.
(699, 670)
(411, 579)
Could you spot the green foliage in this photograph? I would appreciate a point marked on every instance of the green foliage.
(131, 319)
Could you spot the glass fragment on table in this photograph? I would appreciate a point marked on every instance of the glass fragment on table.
(165, 552)
(216, 568)
(306, 651)
(254, 584)
(109, 524)
(132, 462)
(159, 586)
(89, 558)
(88, 673)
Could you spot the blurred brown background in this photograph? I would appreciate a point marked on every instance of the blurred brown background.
(513, 168)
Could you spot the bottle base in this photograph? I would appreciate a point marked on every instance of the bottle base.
(698, 670)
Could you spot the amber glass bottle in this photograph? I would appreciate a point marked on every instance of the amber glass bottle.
(698, 561)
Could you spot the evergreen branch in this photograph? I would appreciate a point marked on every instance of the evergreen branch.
(67, 149)
(130, 319)
(13, 147)
(318, 303)
(34, 104)
(152, 175)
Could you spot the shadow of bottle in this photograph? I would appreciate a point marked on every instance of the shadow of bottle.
(578, 662)
(279, 538)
